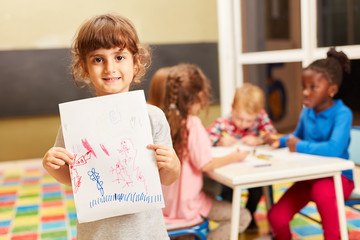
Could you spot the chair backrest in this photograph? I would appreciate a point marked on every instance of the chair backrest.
(354, 151)
(354, 148)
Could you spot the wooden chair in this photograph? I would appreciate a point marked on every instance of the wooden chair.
(198, 229)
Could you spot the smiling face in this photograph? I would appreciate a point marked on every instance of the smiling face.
(110, 70)
(317, 90)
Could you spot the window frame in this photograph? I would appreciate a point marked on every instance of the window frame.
(232, 58)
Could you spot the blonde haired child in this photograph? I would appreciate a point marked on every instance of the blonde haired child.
(250, 98)
(108, 57)
(187, 92)
(247, 121)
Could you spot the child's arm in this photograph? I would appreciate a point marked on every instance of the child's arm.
(217, 131)
(168, 163)
(226, 140)
(56, 162)
(291, 142)
(236, 156)
(271, 139)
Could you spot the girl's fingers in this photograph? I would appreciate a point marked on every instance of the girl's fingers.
(157, 146)
(161, 165)
(53, 166)
(59, 156)
(162, 152)
(63, 157)
(163, 158)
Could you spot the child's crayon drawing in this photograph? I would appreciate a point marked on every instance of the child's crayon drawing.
(87, 146)
(104, 149)
(94, 176)
(75, 178)
(82, 160)
(135, 122)
(125, 169)
(113, 172)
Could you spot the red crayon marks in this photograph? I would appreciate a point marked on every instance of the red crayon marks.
(125, 169)
(82, 159)
(87, 146)
(104, 149)
(122, 174)
(78, 161)
(75, 178)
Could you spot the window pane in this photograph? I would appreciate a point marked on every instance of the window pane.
(349, 90)
(338, 22)
(270, 25)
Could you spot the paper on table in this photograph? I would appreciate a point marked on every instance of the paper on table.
(113, 172)
(250, 158)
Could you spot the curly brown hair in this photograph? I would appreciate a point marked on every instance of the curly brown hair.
(107, 31)
(186, 85)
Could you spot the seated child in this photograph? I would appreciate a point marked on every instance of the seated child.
(323, 129)
(186, 93)
(247, 122)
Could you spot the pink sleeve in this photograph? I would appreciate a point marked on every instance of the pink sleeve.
(199, 144)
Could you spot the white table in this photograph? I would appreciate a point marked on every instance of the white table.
(283, 166)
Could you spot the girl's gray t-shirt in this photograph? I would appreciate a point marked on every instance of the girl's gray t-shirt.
(147, 225)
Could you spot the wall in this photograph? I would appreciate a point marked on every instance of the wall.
(41, 25)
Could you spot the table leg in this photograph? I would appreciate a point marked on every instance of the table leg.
(341, 206)
(268, 202)
(235, 215)
(268, 197)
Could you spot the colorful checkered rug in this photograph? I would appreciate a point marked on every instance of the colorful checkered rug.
(33, 205)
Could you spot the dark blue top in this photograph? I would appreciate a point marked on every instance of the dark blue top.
(326, 133)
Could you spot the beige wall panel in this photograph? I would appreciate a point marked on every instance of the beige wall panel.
(42, 24)
(31, 137)
(47, 24)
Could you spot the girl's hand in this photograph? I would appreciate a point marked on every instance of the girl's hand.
(236, 156)
(291, 143)
(271, 139)
(168, 163)
(252, 140)
(226, 141)
(57, 157)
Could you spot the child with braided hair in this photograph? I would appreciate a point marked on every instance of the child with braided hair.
(186, 93)
(323, 129)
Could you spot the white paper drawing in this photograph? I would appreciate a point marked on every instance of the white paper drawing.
(113, 172)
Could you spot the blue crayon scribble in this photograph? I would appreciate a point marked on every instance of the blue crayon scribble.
(126, 197)
(94, 176)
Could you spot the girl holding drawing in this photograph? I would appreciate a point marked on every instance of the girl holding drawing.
(186, 93)
(108, 58)
(323, 129)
